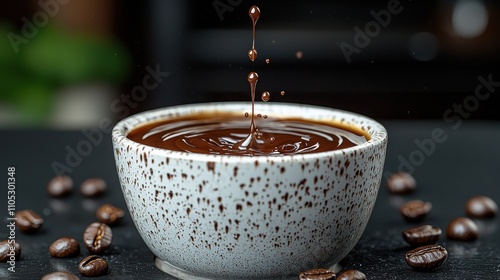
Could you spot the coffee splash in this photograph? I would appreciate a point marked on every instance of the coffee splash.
(250, 142)
(228, 134)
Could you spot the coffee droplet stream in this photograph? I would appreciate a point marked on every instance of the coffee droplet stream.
(249, 141)
(254, 14)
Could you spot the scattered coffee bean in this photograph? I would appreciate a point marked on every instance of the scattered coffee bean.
(28, 221)
(109, 214)
(60, 275)
(93, 266)
(415, 210)
(422, 235)
(317, 274)
(401, 183)
(97, 237)
(93, 187)
(60, 186)
(6, 248)
(426, 257)
(352, 275)
(65, 247)
(463, 229)
(481, 207)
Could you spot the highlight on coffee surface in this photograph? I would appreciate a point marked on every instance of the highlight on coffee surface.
(224, 133)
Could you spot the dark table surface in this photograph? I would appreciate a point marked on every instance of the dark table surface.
(467, 163)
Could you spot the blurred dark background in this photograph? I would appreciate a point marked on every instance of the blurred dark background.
(91, 59)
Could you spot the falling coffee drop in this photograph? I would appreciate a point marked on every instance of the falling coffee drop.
(282, 92)
(252, 54)
(253, 78)
(246, 115)
(254, 14)
(267, 60)
(266, 96)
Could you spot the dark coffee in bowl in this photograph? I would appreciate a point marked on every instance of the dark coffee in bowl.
(229, 134)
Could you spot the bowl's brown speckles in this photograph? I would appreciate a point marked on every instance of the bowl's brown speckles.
(211, 166)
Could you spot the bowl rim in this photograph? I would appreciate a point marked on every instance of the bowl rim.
(120, 131)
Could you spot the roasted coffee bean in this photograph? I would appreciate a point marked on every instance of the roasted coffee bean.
(317, 274)
(65, 247)
(109, 214)
(28, 221)
(463, 229)
(401, 183)
(415, 210)
(60, 275)
(422, 235)
(6, 249)
(60, 186)
(352, 275)
(97, 237)
(426, 257)
(481, 207)
(93, 187)
(92, 266)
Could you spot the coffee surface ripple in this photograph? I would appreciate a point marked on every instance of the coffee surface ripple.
(225, 135)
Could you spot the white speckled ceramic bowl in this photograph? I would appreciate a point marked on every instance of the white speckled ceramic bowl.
(240, 217)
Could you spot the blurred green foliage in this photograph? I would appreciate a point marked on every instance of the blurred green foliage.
(51, 60)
